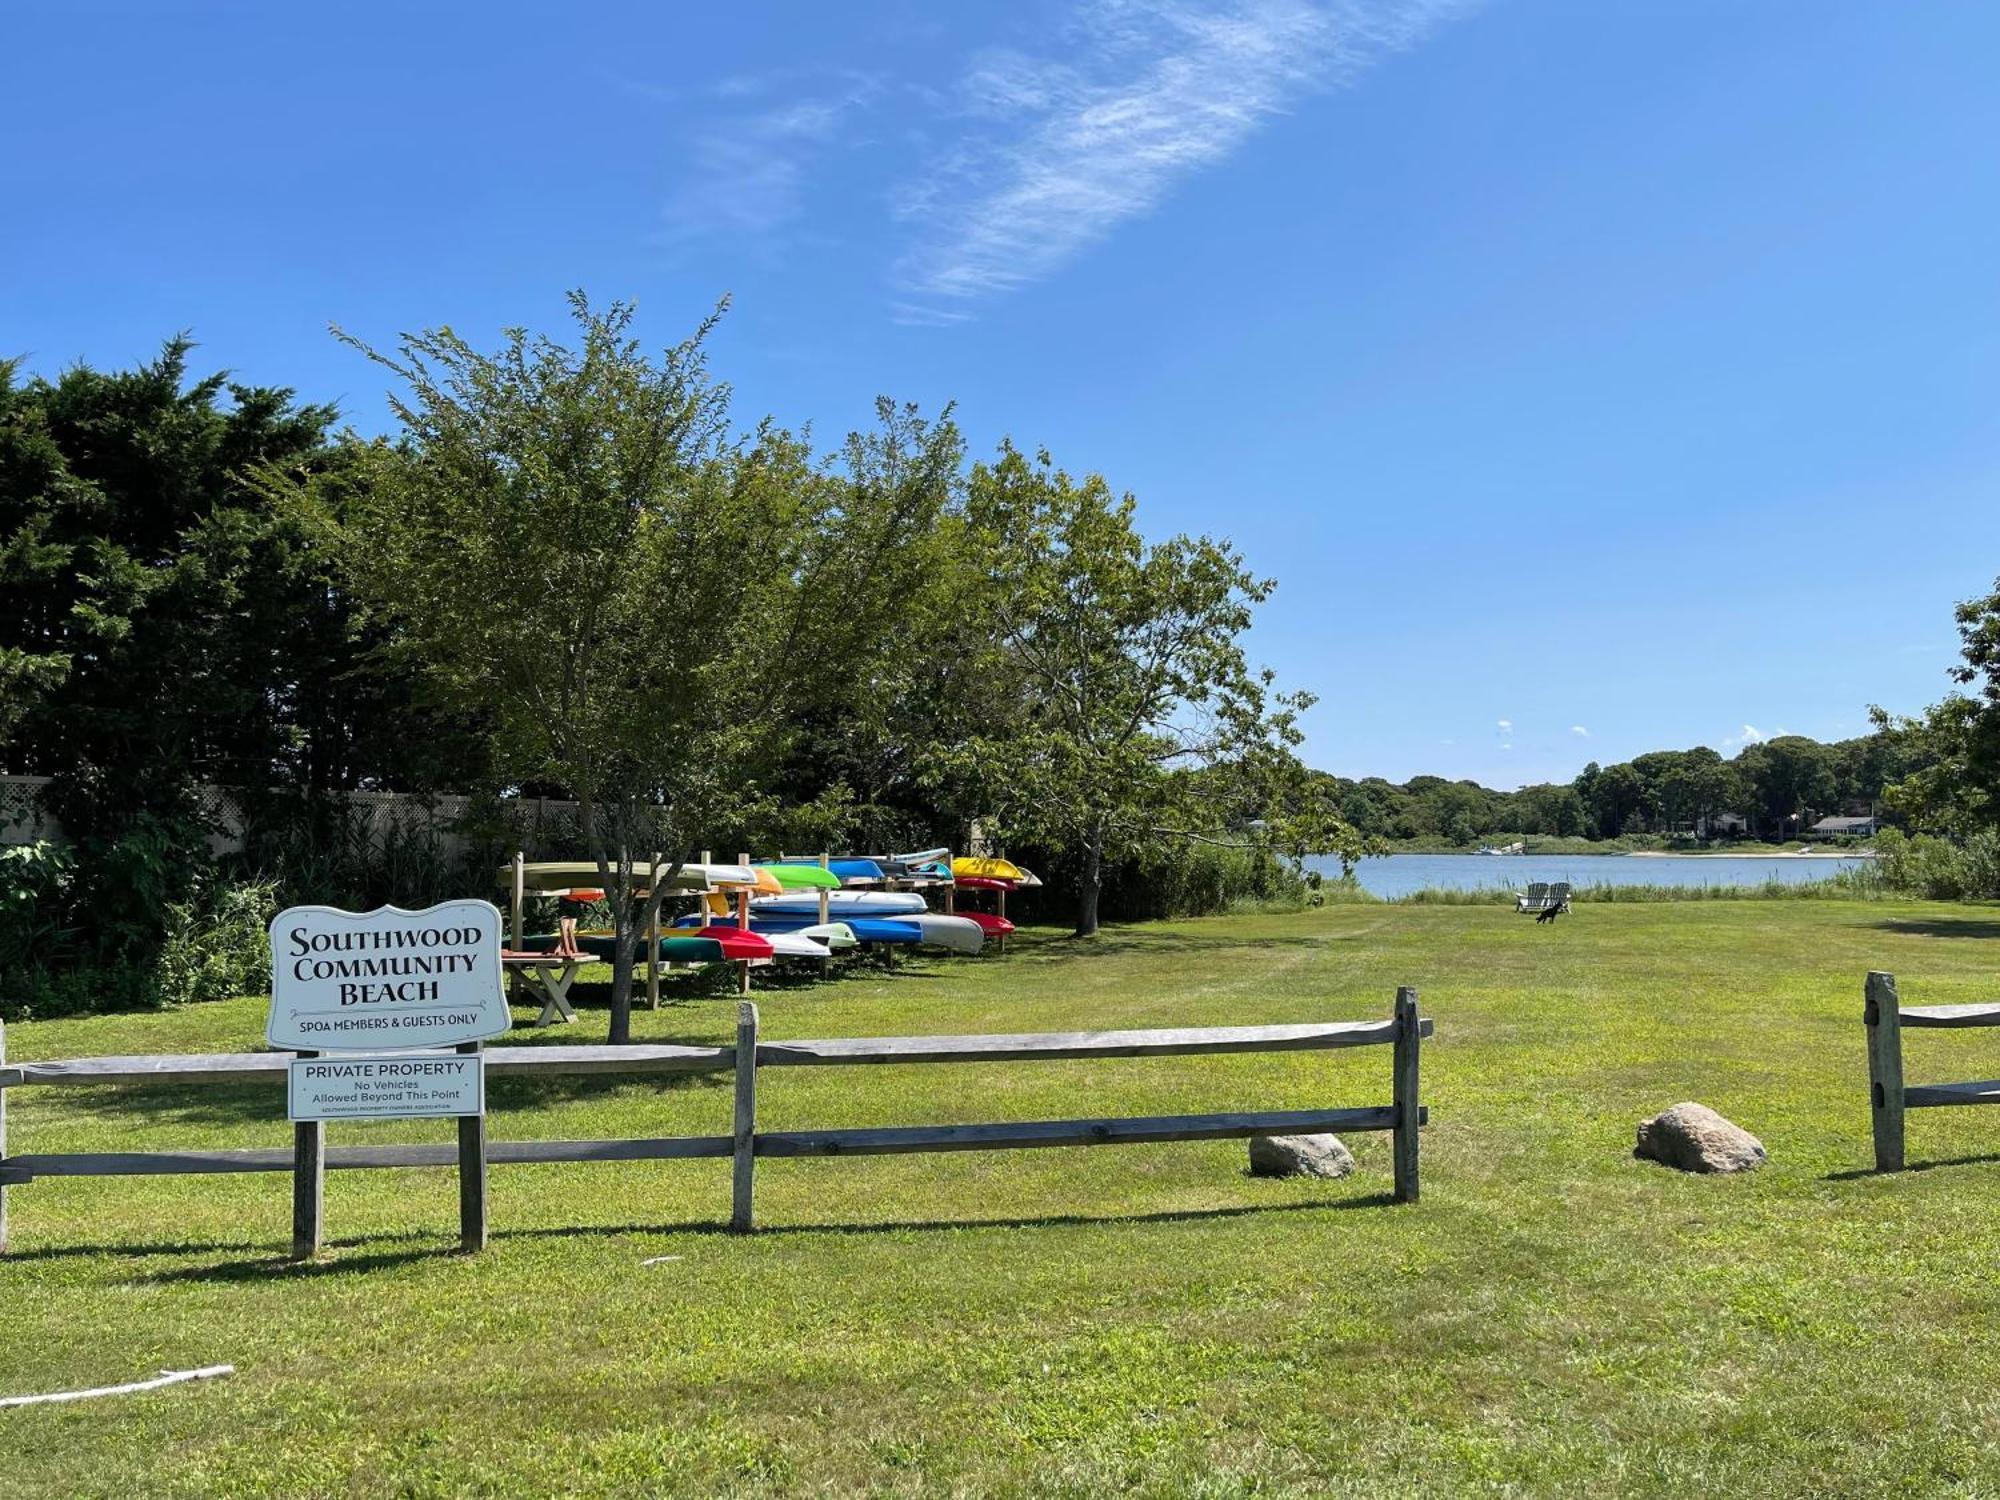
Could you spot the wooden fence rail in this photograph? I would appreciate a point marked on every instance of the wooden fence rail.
(1888, 1097)
(309, 1156)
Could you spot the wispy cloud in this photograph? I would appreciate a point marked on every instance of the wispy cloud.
(1022, 158)
(1060, 150)
(1750, 735)
(1579, 731)
(747, 169)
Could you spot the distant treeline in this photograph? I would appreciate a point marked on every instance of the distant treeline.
(1777, 787)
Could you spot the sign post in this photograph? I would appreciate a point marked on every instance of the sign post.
(472, 1163)
(308, 1181)
(369, 1001)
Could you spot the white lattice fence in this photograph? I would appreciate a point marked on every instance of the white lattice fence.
(22, 820)
(540, 825)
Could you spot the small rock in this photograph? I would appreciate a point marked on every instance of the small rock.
(1694, 1138)
(1299, 1156)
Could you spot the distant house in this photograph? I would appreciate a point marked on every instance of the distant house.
(1829, 828)
(1723, 824)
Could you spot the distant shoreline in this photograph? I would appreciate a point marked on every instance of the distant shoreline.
(1752, 852)
(1760, 854)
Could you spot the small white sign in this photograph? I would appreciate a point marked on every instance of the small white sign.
(388, 978)
(414, 1085)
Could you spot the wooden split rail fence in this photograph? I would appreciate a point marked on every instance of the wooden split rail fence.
(1888, 1097)
(309, 1158)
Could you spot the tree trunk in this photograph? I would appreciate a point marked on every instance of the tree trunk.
(1090, 886)
(623, 951)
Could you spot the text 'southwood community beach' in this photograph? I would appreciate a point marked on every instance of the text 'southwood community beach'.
(671, 888)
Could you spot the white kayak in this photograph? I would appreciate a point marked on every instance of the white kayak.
(842, 903)
(837, 936)
(583, 874)
(960, 934)
(795, 945)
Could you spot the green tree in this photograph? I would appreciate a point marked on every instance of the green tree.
(1788, 778)
(1617, 800)
(143, 582)
(1134, 719)
(1946, 761)
(1551, 810)
(1694, 787)
(571, 545)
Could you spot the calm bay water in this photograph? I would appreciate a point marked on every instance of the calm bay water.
(1400, 874)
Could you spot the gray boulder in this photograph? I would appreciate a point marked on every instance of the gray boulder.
(1694, 1138)
(1299, 1156)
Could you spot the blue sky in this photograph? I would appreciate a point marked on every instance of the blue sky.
(1593, 377)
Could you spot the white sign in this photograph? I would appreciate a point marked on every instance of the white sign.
(388, 978)
(399, 1086)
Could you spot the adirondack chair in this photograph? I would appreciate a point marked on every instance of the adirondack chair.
(1534, 898)
(1558, 900)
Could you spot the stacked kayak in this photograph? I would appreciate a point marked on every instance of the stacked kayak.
(807, 925)
(796, 875)
(989, 924)
(978, 867)
(733, 942)
(926, 865)
(795, 908)
(837, 936)
(704, 945)
(577, 876)
(843, 904)
(959, 934)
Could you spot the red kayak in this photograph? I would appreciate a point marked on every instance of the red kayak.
(983, 883)
(736, 942)
(992, 926)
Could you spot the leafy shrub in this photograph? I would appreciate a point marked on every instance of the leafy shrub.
(70, 946)
(218, 946)
(35, 885)
(1938, 869)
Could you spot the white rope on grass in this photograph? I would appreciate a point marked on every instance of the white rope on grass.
(166, 1377)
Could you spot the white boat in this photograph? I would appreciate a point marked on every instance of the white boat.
(795, 945)
(959, 934)
(841, 903)
(837, 936)
(583, 874)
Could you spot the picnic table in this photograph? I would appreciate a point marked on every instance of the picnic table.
(547, 977)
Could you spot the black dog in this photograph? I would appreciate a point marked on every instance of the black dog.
(1549, 914)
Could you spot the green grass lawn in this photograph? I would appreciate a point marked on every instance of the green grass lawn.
(1554, 1317)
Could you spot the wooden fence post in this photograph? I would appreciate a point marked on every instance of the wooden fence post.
(472, 1168)
(1409, 1037)
(1882, 1011)
(740, 1219)
(308, 1184)
(517, 897)
(655, 898)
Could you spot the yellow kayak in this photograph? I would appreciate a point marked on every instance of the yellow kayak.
(977, 868)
